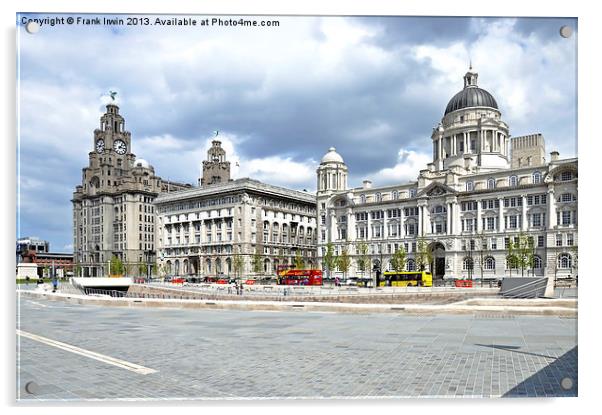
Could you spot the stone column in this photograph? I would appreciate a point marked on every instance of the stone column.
(551, 207)
(351, 234)
(402, 229)
(448, 225)
(332, 228)
(501, 215)
(524, 213)
(479, 220)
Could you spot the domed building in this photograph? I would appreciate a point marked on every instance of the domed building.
(482, 191)
(471, 133)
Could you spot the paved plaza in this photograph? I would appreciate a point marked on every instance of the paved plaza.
(200, 354)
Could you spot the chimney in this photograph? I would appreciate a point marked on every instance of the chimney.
(366, 184)
(554, 155)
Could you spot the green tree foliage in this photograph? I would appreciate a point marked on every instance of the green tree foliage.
(237, 264)
(344, 261)
(363, 261)
(256, 263)
(329, 261)
(398, 260)
(424, 256)
(116, 266)
(299, 261)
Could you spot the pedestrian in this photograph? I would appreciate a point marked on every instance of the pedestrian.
(55, 283)
(241, 288)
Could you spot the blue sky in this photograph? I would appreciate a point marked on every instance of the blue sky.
(373, 87)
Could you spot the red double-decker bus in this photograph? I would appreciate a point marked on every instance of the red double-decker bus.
(300, 277)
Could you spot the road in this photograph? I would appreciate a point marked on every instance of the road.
(204, 354)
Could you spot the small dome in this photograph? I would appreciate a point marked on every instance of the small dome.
(142, 163)
(332, 157)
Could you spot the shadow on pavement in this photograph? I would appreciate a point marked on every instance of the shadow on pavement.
(558, 379)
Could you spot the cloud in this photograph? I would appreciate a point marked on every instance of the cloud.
(409, 163)
(279, 97)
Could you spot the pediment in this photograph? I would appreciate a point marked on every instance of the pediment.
(436, 189)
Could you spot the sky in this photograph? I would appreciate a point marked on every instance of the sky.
(373, 87)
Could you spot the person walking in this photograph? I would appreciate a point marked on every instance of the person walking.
(55, 283)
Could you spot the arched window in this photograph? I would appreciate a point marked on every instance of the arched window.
(469, 186)
(564, 261)
(411, 265)
(468, 264)
(395, 195)
(363, 198)
(490, 263)
(537, 263)
(536, 177)
(412, 192)
(491, 183)
(513, 181)
(379, 197)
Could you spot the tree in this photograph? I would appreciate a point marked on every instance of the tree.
(237, 264)
(299, 261)
(524, 252)
(398, 260)
(363, 261)
(116, 266)
(424, 256)
(256, 263)
(483, 251)
(77, 269)
(142, 269)
(329, 261)
(344, 261)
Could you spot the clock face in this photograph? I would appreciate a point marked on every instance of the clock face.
(120, 147)
(100, 145)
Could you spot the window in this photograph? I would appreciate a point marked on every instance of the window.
(395, 195)
(537, 262)
(491, 183)
(566, 175)
(540, 241)
(564, 261)
(493, 243)
(489, 263)
(412, 192)
(569, 239)
(513, 181)
(536, 177)
(379, 197)
(411, 265)
(363, 198)
(469, 186)
(468, 264)
(566, 197)
(559, 240)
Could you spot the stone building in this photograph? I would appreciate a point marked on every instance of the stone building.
(481, 191)
(216, 169)
(203, 231)
(113, 214)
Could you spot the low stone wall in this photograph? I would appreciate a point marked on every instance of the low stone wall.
(445, 297)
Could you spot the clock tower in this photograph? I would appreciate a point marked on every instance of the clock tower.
(215, 169)
(113, 212)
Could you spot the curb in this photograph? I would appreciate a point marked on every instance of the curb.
(492, 311)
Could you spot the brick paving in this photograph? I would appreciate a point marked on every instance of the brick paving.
(228, 354)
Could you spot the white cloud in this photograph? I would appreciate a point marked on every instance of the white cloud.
(409, 163)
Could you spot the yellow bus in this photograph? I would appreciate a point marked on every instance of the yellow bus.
(406, 279)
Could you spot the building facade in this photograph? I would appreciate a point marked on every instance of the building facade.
(236, 228)
(113, 212)
(482, 191)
